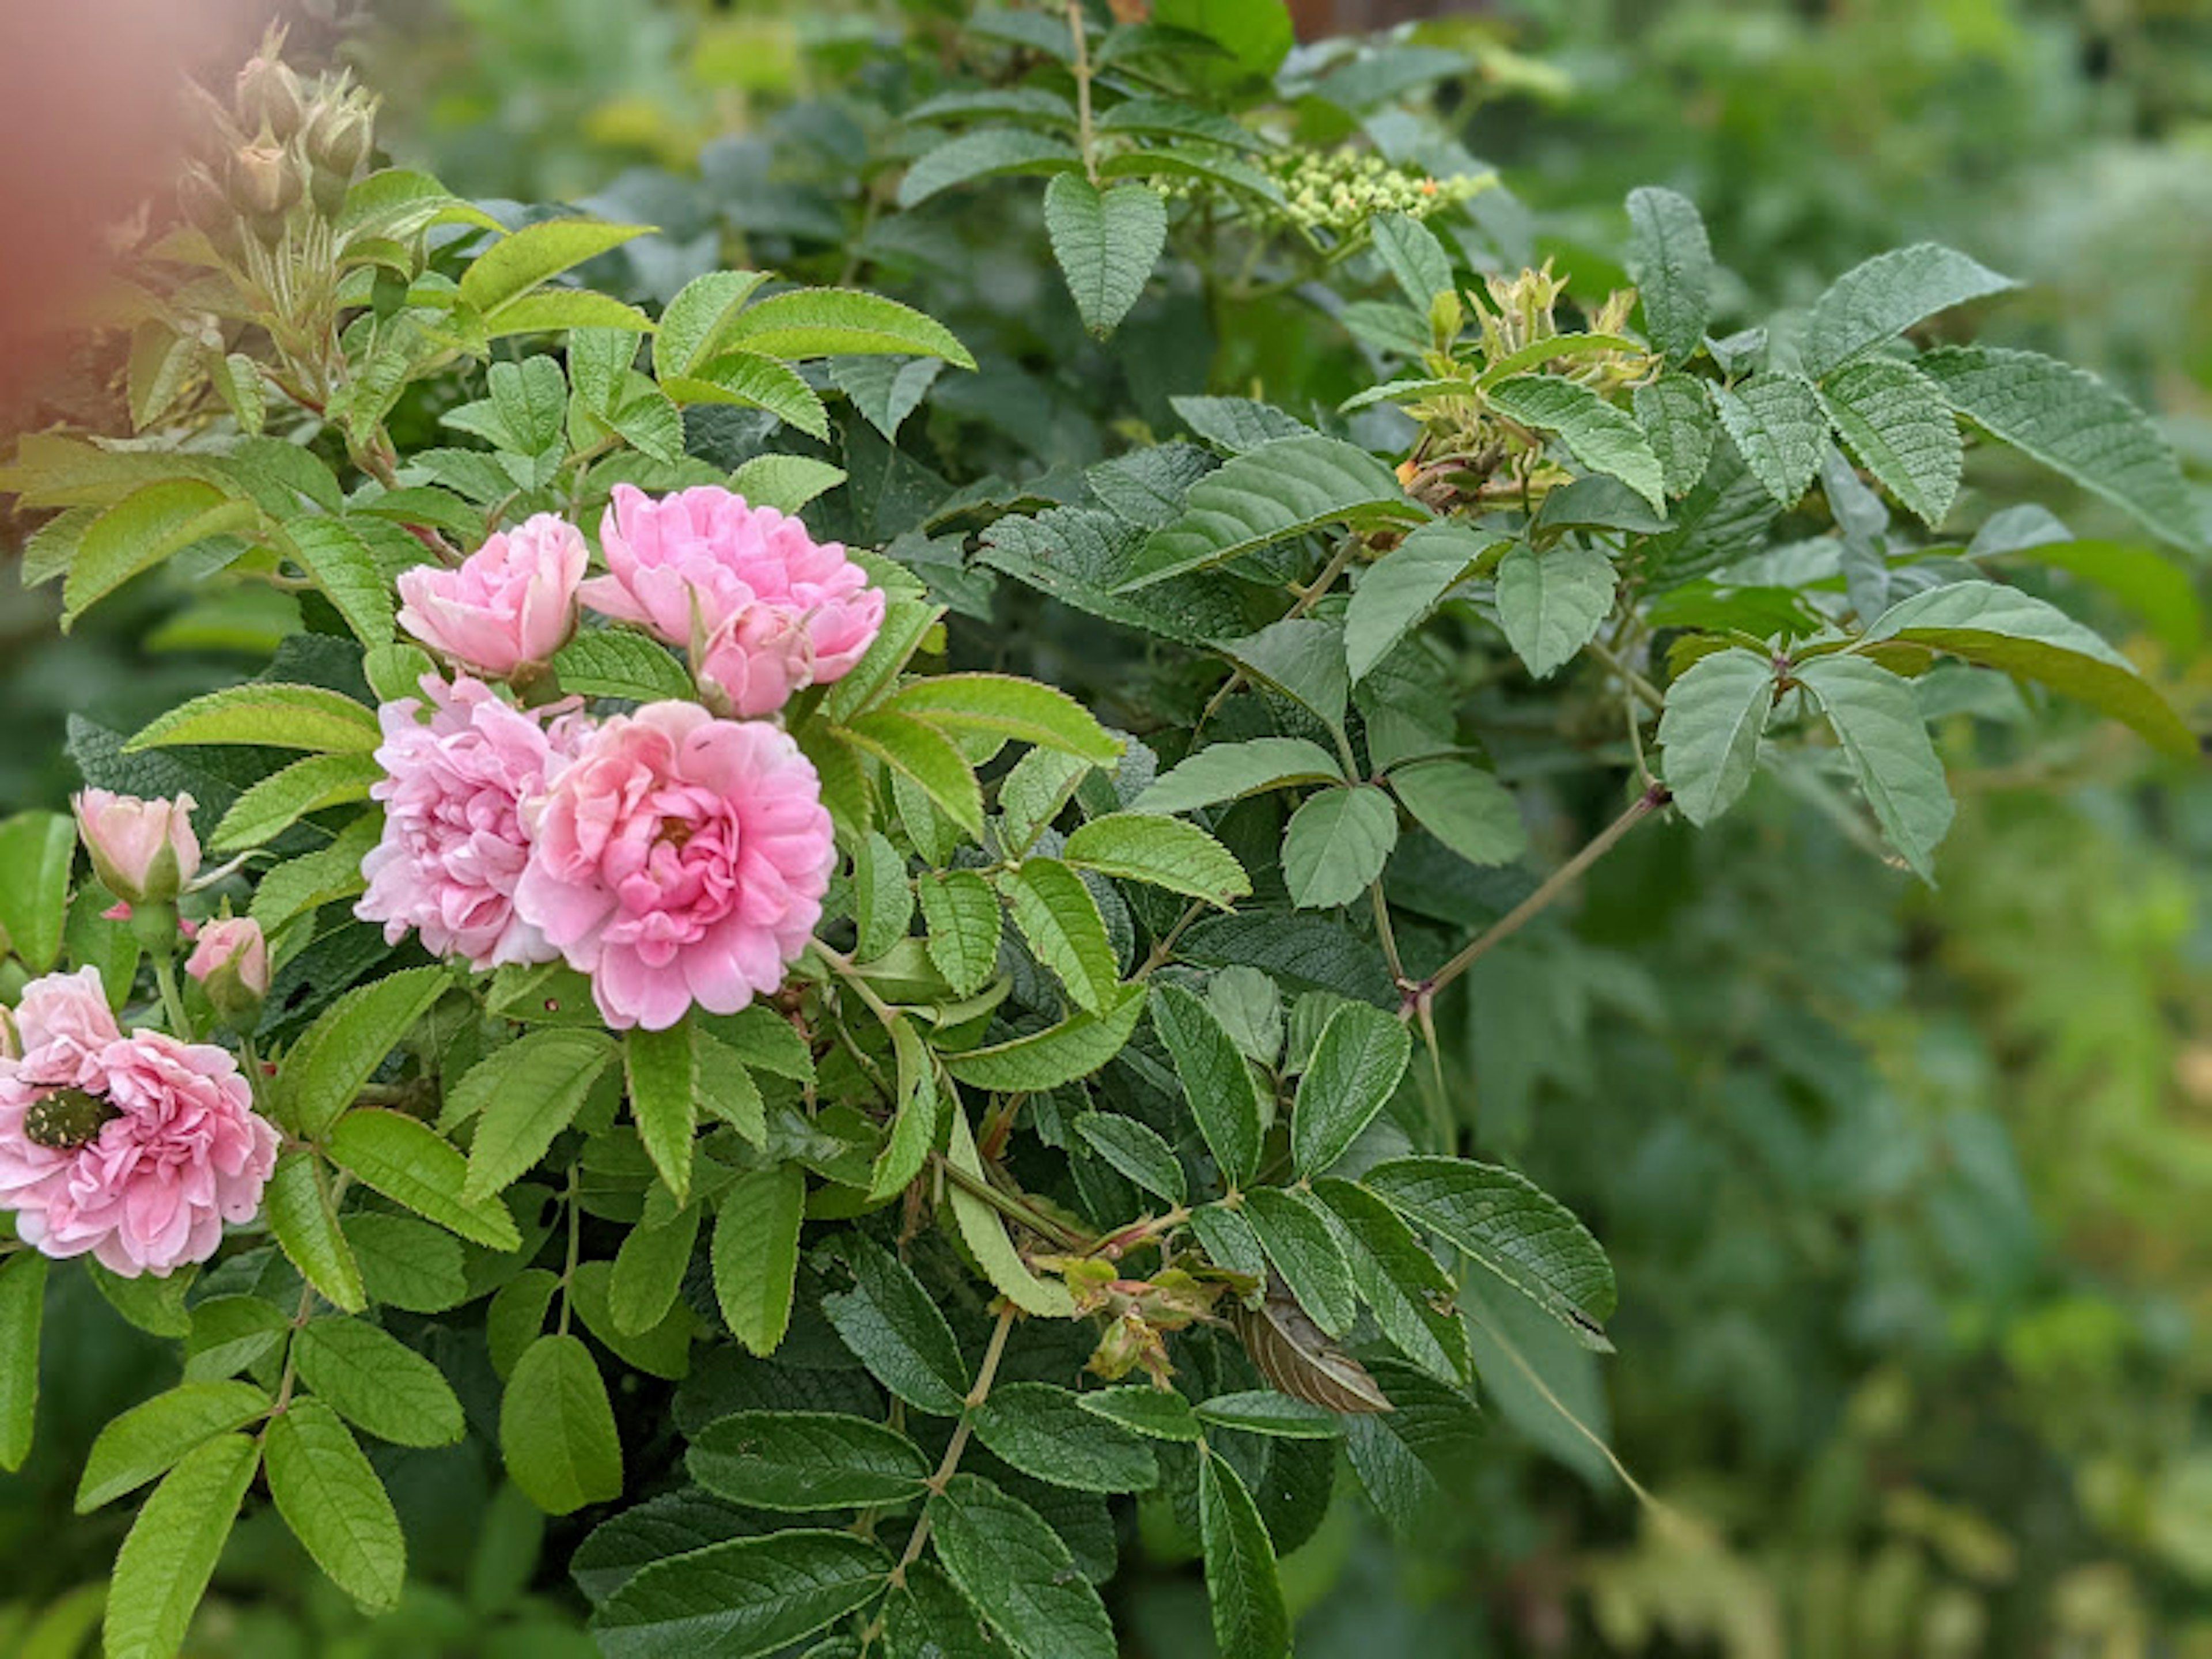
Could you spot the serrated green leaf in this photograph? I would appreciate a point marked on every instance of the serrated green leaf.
(1301, 658)
(1464, 807)
(37, 850)
(283, 797)
(378, 1382)
(921, 752)
(985, 1233)
(1300, 1240)
(661, 1071)
(1158, 1414)
(323, 1071)
(1016, 1570)
(523, 1096)
(786, 483)
(1043, 1431)
(1355, 1069)
(1338, 842)
(1553, 604)
(1601, 436)
(1413, 1298)
(756, 1253)
(960, 911)
(742, 1598)
(828, 322)
(755, 381)
(164, 1566)
(1416, 1461)
(516, 1315)
(402, 1159)
(1265, 1412)
(515, 263)
(615, 662)
(555, 309)
(649, 1268)
(1896, 420)
(1888, 294)
(895, 1329)
(405, 1263)
(334, 1503)
(1002, 706)
(1060, 921)
(22, 1311)
(1136, 1152)
(1399, 589)
(795, 1461)
(660, 1348)
(986, 153)
(142, 530)
(297, 1204)
(1229, 771)
(1779, 428)
(918, 1120)
(1107, 243)
(155, 1302)
(1060, 1053)
(883, 895)
(148, 1440)
(270, 715)
(556, 1428)
(1679, 423)
(1879, 727)
(692, 324)
(925, 1617)
(1223, 1095)
(1250, 1620)
(1710, 728)
(1409, 250)
(1671, 263)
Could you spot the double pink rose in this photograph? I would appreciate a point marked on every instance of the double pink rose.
(508, 606)
(135, 1149)
(769, 610)
(145, 851)
(678, 858)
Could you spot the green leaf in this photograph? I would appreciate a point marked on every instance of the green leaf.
(1417, 1462)
(1043, 1430)
(326, 1067)
(662, 1072)
(406, 1263)
(1338, 842)
(1710, 728)
(230, 1335)
(564, 308)
(22, 1311)
(985, 1233)
(962, 913)
(927, 1618)
(1001, 705)
(1411, 253)
(786, 483)
(1464, 807)
(1671, 264)
(281, 800)
(402, 1159)
(1283, 488)
(895, 1329)
(764, 1040)
(924, 754)
(1257, 34)
(515, 1314)
(794, 1461)
(2075, 424)
(986, 153)
(1300, 1240)
(1224, 1096)
(1231, 771)
(37, 853)
(1601, 436)
(148, 1440)
(142, 530)
(1553, 604)
(164, 1566)
(516, 264)
(740, 1600)
(1888, 294)
(1107, 243)
(152, 1302)
(376, 1383)
(1302, 658)
(831, 322)
(1136, 1152)
(615, 662)
(1397, 592)
(2001, 627)
(1879, 727)
(1263, 1410)
(1060, 921)
(523, 1095)
(1779, 428)
(1410, 1296)
(883, 895)
(918, 1121)
(1229, 1240)
(1354, 1071)
(334, 1503)
(649, 1269)
(692, 325)
(756, 1253)
(754, 381)
(1060, 1053)
(269, 715)
(1679, 423)
(1014, 1569)
(1158, 1414)
(1512, 1227)
(1250, 1620)
(1896, 420)
(339, 559)
(297, 1204)
(884, 390)
(556, 1428)
(661, 1348)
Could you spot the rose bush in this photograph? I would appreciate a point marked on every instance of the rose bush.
(988, 1119)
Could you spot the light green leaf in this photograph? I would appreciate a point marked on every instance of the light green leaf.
(269, 715)
(962, 913)
(1223, 1095)
(553, 310)
(281, 800)
(1107, 243)
(1671, 263)
(926, 754)
(649, 1268)
(1553, 604)
(523, 1095)
(786, 483)
(334, 1503)
(339, 559)
(756, 1253)
(1464, 807)
(1250, 1620)
(297, 1204)
(1601, 436)
(1060, 921)
(1878, 727)
(556, 1428)
(615, 662)
(402, 1159)
(1399, 589)
(1016, 1570)
(1413, 255)
(1003, 706)
(1679, 423)
(37, 853)
(692, 325)
(1301, 658)
(22, 1311)
(986, 153)
(405, 1263)
(795, 1461)
(164, 1566)
(1710, 730)
(1888, 294)
(1231, 771)
(516, 264)
(148, 1440)
(1354, 1071)
(897, 1331)
(662, 1072)
(1300, 1240)
(1896, 420)
(1042, 1431)
(917, 1123)
(142, 530)
(326, 1067)
(1045, 1059)
(1779, 428)
(1338, 842)
(755, 381)
(831, 322)
(743, 1598)
(986, 1234)
(883, 895)
(376, 1383)
(1280, 489)
(1136, 1152)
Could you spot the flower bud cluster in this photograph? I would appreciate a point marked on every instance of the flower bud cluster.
(1341, 190)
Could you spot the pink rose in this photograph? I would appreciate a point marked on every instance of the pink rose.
(140, 1162)
(678, 858)
(60, 1025)
(775, 610)
(453, 844)
(511, 604)
(230, 959)
(145, 850)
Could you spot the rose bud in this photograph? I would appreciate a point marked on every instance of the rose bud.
(510, 605)
(231, 963)
(145, 850)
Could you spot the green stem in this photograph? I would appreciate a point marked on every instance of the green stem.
(173, 1000)
(1008, 1205)
(1085, 137)
(950, 1464)
(575, 1243)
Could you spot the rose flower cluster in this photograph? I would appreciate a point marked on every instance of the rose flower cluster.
(678, 855)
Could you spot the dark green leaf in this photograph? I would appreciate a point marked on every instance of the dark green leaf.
(1014, 1569)
(740, 1600)
(800, 1460)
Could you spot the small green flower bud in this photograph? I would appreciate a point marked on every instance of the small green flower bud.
(269, 96)
(264, 183)
(340, 132)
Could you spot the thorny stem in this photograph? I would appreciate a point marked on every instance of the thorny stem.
(1419, 995)
(950, 1464)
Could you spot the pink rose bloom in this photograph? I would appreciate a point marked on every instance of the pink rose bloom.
(61, 1025)
(140, 1164)
(145, 850)
(678, 858)
(776, 610)
(453, 843)
(512, 602)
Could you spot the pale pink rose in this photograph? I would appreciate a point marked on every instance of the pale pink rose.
(162, 1147)
(230, 959)
(145, 850)
(678, 858)
(775, 610)
(60, 1025)
(453, 844)
(512, 603)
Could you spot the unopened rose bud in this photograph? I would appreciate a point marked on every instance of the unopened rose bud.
(264, 181)
(269, 96)
(202, 202)
(339, 134)
(145, 850)
(231, 963)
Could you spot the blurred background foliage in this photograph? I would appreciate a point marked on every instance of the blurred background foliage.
(1907, 1189)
